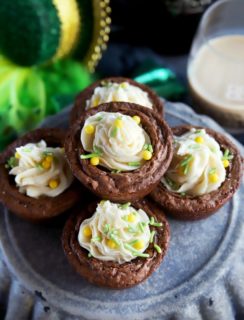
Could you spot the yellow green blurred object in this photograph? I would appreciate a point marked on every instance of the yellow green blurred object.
(29, 94)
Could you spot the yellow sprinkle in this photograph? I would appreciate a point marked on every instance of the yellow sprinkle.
(96, 102)
(226, 163)
(131, 217)
(136, 119)
(94, 161)
(53, 184)
(89, 129)
(46, 164)
(111, 244)
(118, 123)
(213, 178)
(146, 155)
(49, 158)
(123, 85)
(199, 139)
(102, 202)
(87, 232)
(17, 155)
(139, 245)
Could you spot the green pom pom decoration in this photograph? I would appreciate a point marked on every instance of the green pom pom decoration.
(29, 31)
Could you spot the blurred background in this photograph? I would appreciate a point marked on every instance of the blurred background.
(52, 49)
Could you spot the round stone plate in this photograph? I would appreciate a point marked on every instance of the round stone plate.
(201, 276)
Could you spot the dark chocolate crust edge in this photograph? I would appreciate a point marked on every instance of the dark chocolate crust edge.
(111, 274)
(124, 186)
(30, 208)
(195, 208)
(80, 101)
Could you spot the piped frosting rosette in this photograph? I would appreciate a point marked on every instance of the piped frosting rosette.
(119, 150)
(40, 170)
(114, 92)
(116, 89)
(116, 245)
(35, 180)
(117, 140)
(198, 165)
(204, 173)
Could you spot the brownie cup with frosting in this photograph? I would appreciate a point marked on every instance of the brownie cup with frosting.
(116, 245)
(205, 172)
(119, 150)
(36, 182)
(116, 89)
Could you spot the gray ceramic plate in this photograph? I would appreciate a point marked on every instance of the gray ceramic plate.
(201, 277)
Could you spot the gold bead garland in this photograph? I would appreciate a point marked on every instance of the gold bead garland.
(68, 12)
(102, 21)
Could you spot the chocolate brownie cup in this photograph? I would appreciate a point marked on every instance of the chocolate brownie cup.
(23, 185)
(204, 174)
(130, 148)
(115, 89)
(116, 246)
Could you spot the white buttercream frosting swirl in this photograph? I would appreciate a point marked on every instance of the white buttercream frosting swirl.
(197, 167)
(115, 232)
(119, 147)
(116, 92)
(40, 170)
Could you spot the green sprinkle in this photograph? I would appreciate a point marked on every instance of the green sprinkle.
(141, 227)
(45, 153)
(182, 194)
(124, 205)
(88, 156)
(171, 183)
(133, 242)
(148, 147)
(95, 239)
(155, 223)
(112, 237)
(106, 228)
(135, 252)
(199, 131)
(130, 229)
(39, 166)
(97, 150)
(12, 162)
(227, 155)
(185, 163)
(152, 234)
(99, 118)
(114, 132)
(145, 147)
(134, 164)
(90, 255)
(29, 150)
(141, 255)
(186, 160)
(212, 170)
(115, 171)
(157, 248)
